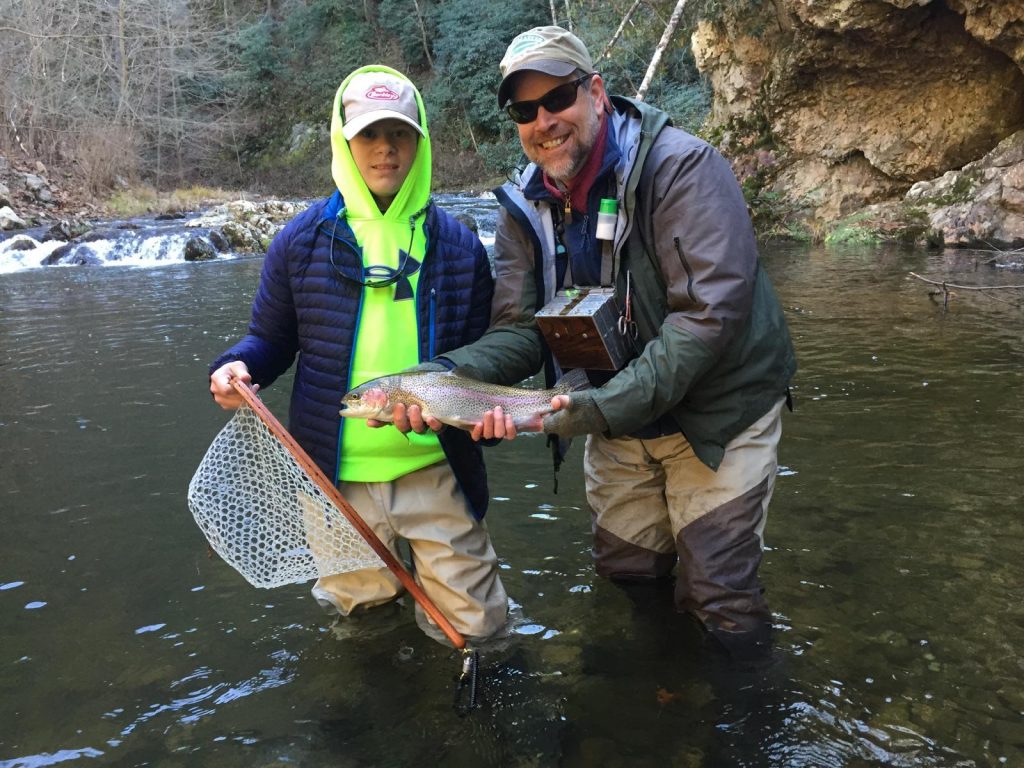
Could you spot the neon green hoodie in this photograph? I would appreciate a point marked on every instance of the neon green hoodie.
(387, 334)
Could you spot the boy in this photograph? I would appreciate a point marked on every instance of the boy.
(371, 280)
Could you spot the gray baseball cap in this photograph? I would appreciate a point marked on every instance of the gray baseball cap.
(551, 50)
(373, 96)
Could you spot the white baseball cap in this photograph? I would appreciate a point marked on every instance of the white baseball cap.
(373, 96)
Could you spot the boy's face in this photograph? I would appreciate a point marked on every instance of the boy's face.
(384, 152)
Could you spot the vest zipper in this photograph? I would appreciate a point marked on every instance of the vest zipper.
(432, 321)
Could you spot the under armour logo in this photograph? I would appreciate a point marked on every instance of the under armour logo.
(379, 276)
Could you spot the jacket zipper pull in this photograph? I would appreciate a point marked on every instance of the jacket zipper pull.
(568, 209)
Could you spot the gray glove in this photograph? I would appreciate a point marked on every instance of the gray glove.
(583, 417)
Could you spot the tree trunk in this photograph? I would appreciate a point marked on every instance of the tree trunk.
(122, 55)
(423, 33)
(662, 44)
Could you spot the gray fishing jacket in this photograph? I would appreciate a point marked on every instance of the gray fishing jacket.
(714, 350)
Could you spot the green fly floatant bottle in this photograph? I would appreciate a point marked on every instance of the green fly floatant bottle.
(607, 214)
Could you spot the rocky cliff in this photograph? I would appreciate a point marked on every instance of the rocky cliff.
(835, 109)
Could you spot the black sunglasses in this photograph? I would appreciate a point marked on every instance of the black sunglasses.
(559, 98)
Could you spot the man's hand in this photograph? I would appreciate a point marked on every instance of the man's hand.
(410, 419)
(574, 415)
(220, 384)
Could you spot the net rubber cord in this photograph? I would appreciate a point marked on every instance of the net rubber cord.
(465, 689)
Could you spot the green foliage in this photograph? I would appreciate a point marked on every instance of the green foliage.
(714, 10)
(774, 215)
(404, 28)
(852, 235)
(502, 157)
(687, 103)
(289, 65)
(258, 62)
(289, 68)
(326, 42)
(471, 37)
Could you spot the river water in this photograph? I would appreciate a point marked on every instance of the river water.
(893, 568)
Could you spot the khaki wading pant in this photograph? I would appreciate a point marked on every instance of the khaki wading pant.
(654, 502)
(453, 560)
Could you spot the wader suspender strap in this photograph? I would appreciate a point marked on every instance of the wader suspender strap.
(607, 249)
(607, 263)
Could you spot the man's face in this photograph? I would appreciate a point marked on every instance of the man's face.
(560, 142)
(384, 152)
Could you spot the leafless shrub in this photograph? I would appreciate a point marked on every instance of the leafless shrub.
(106, 157)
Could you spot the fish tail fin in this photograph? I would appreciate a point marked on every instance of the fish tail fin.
(573, 381)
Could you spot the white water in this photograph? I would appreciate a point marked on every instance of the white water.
(146, 242)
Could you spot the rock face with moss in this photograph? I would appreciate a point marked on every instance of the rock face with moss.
(832, 106)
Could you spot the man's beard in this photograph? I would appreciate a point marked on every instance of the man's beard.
(566, 168)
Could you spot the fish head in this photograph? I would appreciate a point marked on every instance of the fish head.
(368, 401)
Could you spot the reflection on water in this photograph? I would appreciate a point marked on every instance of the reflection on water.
(893, 565)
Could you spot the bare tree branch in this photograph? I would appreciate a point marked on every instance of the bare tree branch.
(622, 25)
(946, 284)
(673, 22)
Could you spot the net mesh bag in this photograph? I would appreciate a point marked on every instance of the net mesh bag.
(264, 515)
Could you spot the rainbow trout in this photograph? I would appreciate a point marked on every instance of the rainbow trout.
(455, 399)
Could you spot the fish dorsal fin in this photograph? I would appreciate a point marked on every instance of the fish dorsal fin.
(573, 381)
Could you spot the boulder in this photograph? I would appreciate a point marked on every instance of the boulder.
(199, 249)
(247, 226)
(219, 241)
(858, 101)
(241, 238)
(980, 205)
(10, 220)
(66, 229)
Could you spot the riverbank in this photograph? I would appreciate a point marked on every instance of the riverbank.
(977, 207)
(33, 194)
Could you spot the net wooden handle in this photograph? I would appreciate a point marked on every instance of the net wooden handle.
(357, 522)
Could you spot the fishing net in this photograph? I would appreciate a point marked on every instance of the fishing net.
(264, 515)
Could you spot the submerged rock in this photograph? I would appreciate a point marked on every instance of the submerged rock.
(73, 254)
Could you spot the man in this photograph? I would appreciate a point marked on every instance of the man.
(373, 279)
(681, 448)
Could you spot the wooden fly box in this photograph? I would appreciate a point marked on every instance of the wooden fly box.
(581, 328)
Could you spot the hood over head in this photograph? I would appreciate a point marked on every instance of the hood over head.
(369, 94)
